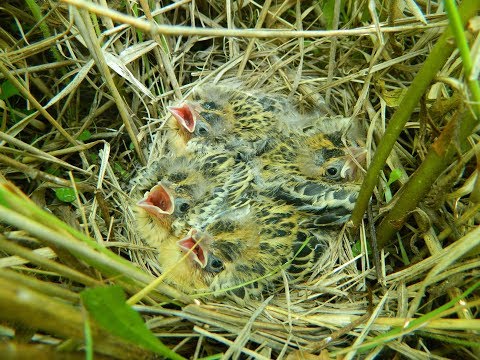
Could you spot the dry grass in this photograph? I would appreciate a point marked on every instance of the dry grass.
(93, 87)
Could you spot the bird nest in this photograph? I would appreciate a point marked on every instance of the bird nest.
(84, 93)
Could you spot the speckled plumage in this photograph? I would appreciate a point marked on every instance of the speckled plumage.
(247, 187)
(252, 243)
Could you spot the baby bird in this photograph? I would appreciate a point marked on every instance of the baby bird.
(182, 200)
(231, 189)
(153, 215)
(242, 251)
(228, 117)
(178, 185)
(316, 152)
(313, 173)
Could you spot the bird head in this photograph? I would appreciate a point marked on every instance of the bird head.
(158, 202)
(171, 199)
(341, 165)
(154, 215)
(199, 247)
(205, 121)
(186, 115)
(197, 262)
(324, 157)
(223, 264)
(203, 264)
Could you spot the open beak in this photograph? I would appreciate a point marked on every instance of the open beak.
(190, 244)
(186, 115)
(158, 202)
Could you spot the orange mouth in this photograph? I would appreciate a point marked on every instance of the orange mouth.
(157, 202)
(193, 247)
(185, 115)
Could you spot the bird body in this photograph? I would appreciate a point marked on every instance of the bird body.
(242, 250)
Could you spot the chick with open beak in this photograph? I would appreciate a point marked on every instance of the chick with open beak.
(154, 212)
(196, 244)
(219, 116)
(186, 115)
(180, 126)
(189, 263)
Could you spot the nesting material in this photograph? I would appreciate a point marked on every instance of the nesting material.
(110, 132)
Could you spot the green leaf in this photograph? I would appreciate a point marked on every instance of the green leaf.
(357, 248)
(403, 252)
(107, 306)
(65, 194)
(7, 90)
(87, 331)
(315, 51)
(85, 135)
(395, 175)
(3, 201)
(92, 157)
(119, 169)
(328, 7)
(53, 170)
(136, 12)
